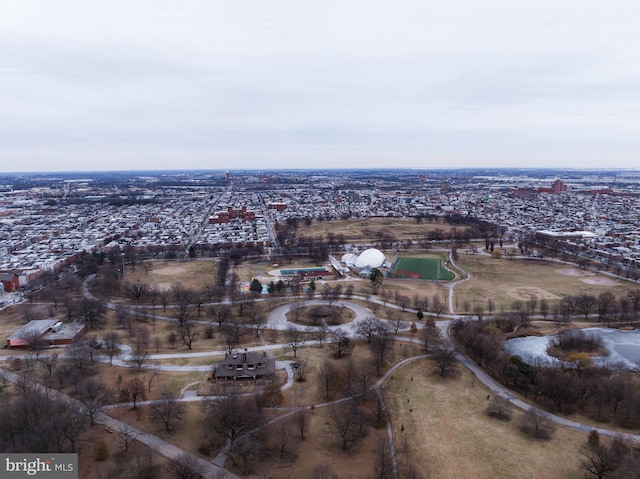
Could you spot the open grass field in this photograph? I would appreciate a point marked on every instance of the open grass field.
(452, 437)
(163, 274)
(420, 268)
(506, 281)
(363, 230)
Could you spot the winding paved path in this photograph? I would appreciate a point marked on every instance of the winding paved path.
(277, 320)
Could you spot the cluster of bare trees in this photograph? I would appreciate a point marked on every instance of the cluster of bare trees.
(613, 458)
(606, 306)
(35, 422)
(379, 335)
(601, 392)
(291, 244)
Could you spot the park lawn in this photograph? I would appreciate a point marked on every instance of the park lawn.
(358, 230)
(506, 281)
(195, 274)
(453, 437)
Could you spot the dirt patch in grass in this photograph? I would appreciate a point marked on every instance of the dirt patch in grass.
(598, 281)
(571, 272)
(525, 293)
(168, 271)
(450, 435)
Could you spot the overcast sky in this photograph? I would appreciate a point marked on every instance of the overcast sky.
(155, 84)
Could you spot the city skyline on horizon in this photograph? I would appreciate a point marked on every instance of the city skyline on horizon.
(272, 85)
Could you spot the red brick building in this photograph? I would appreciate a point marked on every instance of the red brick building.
(10, 282)
(231, 214)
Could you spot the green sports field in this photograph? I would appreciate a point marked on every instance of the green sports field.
(420, 268)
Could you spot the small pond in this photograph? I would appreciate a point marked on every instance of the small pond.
(623, 347)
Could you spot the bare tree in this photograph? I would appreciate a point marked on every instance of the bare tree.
(135, 391)
(184, 306)
(35, 341)
(384, 461)
(110, 342)
(168, 411)
(300, 368)
(491, 305)
(138, 357)
(155, 371)
(243, 302)
(143, 337)
(244, 449)
(80, 354)
(381, 409)
(126, 437)
(544, 308)
(537, 423)
(445, 360)
(259, 321)
(93, 312)
(437, 305)
(143, 465)
(295, 339)
(165, 298)
(500, 408)
(188, 333)
(94, 394)
(296, 312)
(35, 422)
(319, 333)
(429, 334)
(234, 330)
(220, 313)
(367, 327)
(136, 291)
(585, 303)
(301, 421)
(186, 466)
(403, 302)
(365, 376)
(381, 345)
(49, 363)
(341, 343)
(396, 321)
(323, 471)
(326, 377)
(230, 416)
(347, 422)
(599, 460)
(283, 436)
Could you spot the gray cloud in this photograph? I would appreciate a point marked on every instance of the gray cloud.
(142, 84)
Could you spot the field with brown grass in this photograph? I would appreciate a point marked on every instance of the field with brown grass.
(363, 230)
(163, 274)
(508, 280)
(452, 437)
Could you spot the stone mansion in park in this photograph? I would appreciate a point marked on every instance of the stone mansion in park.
(246, 365)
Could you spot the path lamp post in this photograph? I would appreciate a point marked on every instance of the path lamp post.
(124, 274)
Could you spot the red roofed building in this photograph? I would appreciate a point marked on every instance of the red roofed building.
(10, 282)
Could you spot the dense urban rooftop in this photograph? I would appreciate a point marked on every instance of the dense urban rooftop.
(47, 220)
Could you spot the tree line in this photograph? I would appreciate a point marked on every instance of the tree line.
(604, 393)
